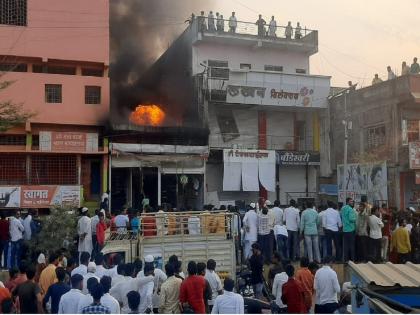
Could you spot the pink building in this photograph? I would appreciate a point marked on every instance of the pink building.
(57, 54)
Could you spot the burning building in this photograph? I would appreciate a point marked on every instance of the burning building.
(159, 138)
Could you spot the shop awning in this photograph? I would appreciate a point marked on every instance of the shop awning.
(159, 148)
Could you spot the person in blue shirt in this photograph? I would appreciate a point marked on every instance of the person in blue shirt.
(135, 222)
(56, 290)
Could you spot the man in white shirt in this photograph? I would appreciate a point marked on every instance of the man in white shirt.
(291, 219)
(94, 222)
(229, 302)
(159, 277)
(375, 234)
(100, 269)
(87, 299)
(107, 299)
(16, 230)
(70, 300)
(214, 280)
(326, 289)
(331, 222)
(120, 277)
(82, 268)
(27, 226)
(250, 224)
(146, 291)
(122, 221)
(90, 274)
(232, 23)
(84, 230)
(391, 74)
(272, 27)
(279, 279)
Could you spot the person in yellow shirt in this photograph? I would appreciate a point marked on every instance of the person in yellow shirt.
(48, 275)
(400, 242)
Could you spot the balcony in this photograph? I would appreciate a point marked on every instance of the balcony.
(276, 90)
(274, 142)
(246, 33)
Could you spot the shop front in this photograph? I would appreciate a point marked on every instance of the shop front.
(157, 175)
(236, 176)
(297, 176)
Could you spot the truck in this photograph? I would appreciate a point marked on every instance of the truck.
(192, 236)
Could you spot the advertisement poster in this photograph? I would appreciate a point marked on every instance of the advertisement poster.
(10, 197)
(368, 179)
(39, 196)
(411, 191)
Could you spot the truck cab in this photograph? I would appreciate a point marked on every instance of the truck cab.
(196, 236)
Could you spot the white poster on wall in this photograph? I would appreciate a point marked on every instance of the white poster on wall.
(248, 168)
(368, 179)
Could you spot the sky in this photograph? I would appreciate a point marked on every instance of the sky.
(357, 38)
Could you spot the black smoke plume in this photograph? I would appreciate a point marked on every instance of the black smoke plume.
(140, 31)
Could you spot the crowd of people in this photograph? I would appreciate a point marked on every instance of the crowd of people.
(216, 23)
(347, 232)
(100, 286)
(405, 70)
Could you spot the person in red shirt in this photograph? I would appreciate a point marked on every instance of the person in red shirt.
(293, 294)
(306, 279)
(386, 231)
(192, 290)
(4, 239)
(100, 231)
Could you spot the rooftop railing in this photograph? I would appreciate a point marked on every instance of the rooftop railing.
(223, 26)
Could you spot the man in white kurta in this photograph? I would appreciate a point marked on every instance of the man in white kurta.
(250, 224)
(84, 229)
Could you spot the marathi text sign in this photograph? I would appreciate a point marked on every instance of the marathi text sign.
(52, 141)
(297, 158)
(39, 196)
(414, 154)
(281, 90)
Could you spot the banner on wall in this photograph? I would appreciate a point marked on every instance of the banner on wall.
(39, 196)
(368, 179)
(247, 169)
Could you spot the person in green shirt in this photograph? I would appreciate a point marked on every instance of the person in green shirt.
(309, 228)
(349, 219)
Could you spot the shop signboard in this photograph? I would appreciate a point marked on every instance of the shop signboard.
(278, 89)
(39, 196)
(290, 158)
(248, 169)
(414, 154)
(52, 141)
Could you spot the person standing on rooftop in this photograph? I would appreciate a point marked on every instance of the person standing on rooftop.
(233, 23)
(272, 27)
(415, 67)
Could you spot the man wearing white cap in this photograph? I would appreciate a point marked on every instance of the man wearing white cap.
(250, 223)
(159, 278)
(84, 229)
(91, 269)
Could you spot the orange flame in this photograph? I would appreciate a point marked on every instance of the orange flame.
(151, 115)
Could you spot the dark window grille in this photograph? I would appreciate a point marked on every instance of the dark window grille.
(12, 169)
(92, 72)
(54, 170)
(273, 68)
(12, 140)
(218, 64)
(376, 137)
(53, 93)
(219, 73)
(13, 12)
(92, 95)
(13, 67)
(301, 71)
(54, 69)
